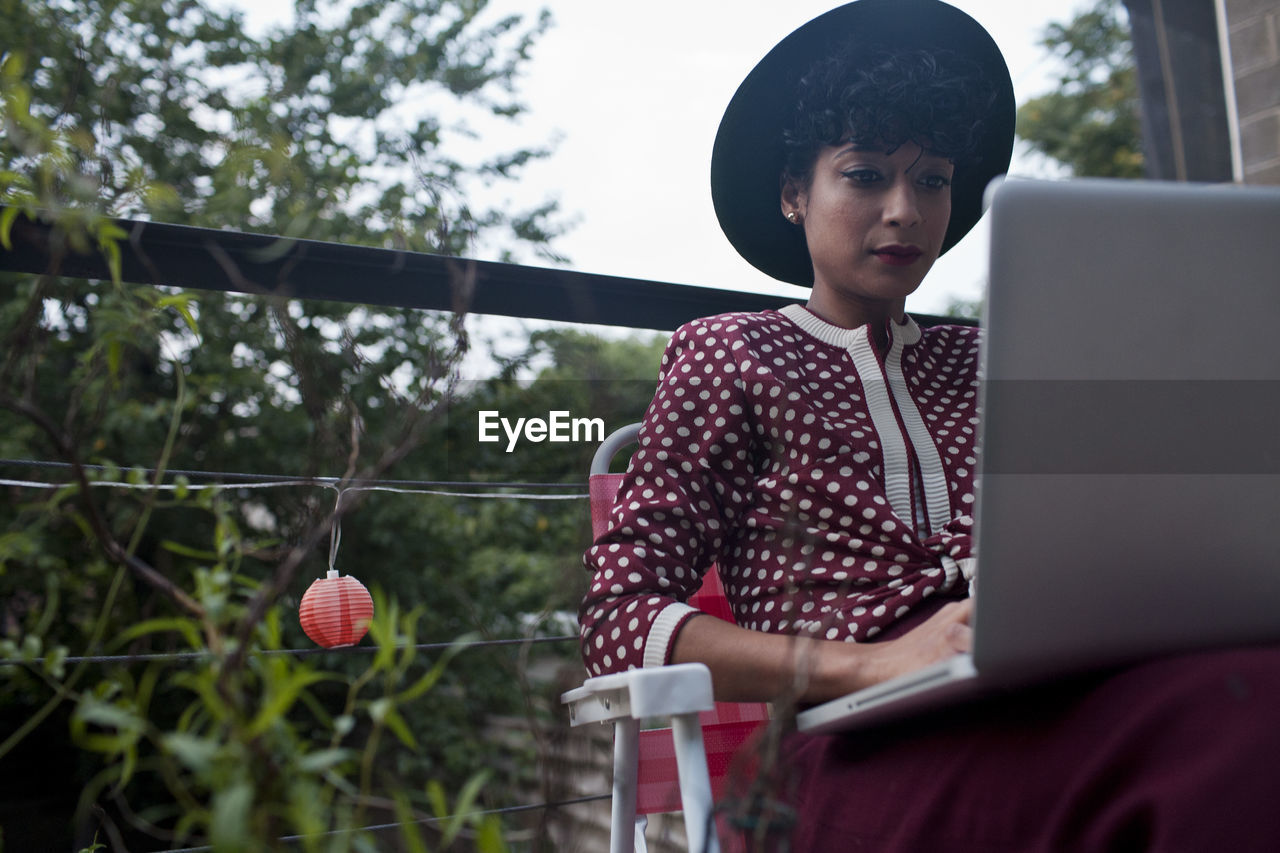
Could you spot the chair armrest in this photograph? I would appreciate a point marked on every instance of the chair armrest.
(662, 691)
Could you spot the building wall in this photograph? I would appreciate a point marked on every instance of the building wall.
(1253, 29)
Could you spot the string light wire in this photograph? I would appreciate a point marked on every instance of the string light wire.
(378, 827)
(239, 480)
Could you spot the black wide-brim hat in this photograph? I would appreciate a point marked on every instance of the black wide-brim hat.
(747, 159)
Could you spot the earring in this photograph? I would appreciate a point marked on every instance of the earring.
(791, 217)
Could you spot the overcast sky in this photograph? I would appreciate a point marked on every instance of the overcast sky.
(634, 93)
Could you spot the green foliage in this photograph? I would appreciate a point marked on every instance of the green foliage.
(240, 746)
(319, 127)
(229, 745)
(1091, 123)
(169, 109)
(969, 309)
(574, 372)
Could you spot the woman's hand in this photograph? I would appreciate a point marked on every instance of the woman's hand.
(841, 668)
(750, 666)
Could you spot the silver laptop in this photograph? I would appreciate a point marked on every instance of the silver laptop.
(1129, 490)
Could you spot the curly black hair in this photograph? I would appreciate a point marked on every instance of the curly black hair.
(879, 97)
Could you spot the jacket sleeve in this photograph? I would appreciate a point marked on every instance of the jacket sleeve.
(686, 487)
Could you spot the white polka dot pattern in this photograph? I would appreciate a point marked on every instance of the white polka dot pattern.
(758, 453)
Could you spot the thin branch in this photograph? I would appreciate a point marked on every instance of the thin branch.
(114, 550)
(288, 569)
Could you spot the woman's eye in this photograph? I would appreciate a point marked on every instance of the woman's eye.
(935, 182)
(862, 176)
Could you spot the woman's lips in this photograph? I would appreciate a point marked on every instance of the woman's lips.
(897, 255)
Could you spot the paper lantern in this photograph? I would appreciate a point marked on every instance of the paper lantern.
(336, 611)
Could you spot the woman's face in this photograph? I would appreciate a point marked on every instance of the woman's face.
(874, 221)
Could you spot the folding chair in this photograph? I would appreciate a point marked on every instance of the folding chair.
(654, 769)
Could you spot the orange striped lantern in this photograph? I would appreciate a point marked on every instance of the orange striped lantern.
(336, 611)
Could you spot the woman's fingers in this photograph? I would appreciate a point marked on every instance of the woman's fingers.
(956, 611)
(960, 637)
(942, 635)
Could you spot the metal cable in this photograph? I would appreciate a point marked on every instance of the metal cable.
(320, 484)
(186, 656)
(422, 821)
(293, 480)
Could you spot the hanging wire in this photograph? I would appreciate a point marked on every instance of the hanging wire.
(325, 483)
(334, 542)
(335, 530)
(287, 479)
(379, 827)
(191, 656)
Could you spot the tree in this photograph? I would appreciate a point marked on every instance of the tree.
(587, 377)
(167, 109)
(1091, 123)
(575, 372)
(329, 126)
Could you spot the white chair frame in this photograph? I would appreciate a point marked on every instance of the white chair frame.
(679, 692)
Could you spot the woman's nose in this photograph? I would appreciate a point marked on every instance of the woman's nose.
(901, 205)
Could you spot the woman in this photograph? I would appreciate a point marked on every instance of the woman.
(822, 456)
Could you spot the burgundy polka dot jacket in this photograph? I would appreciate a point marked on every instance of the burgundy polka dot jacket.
(830, 481)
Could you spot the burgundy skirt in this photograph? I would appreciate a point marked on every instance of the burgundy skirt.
(1179, 754)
